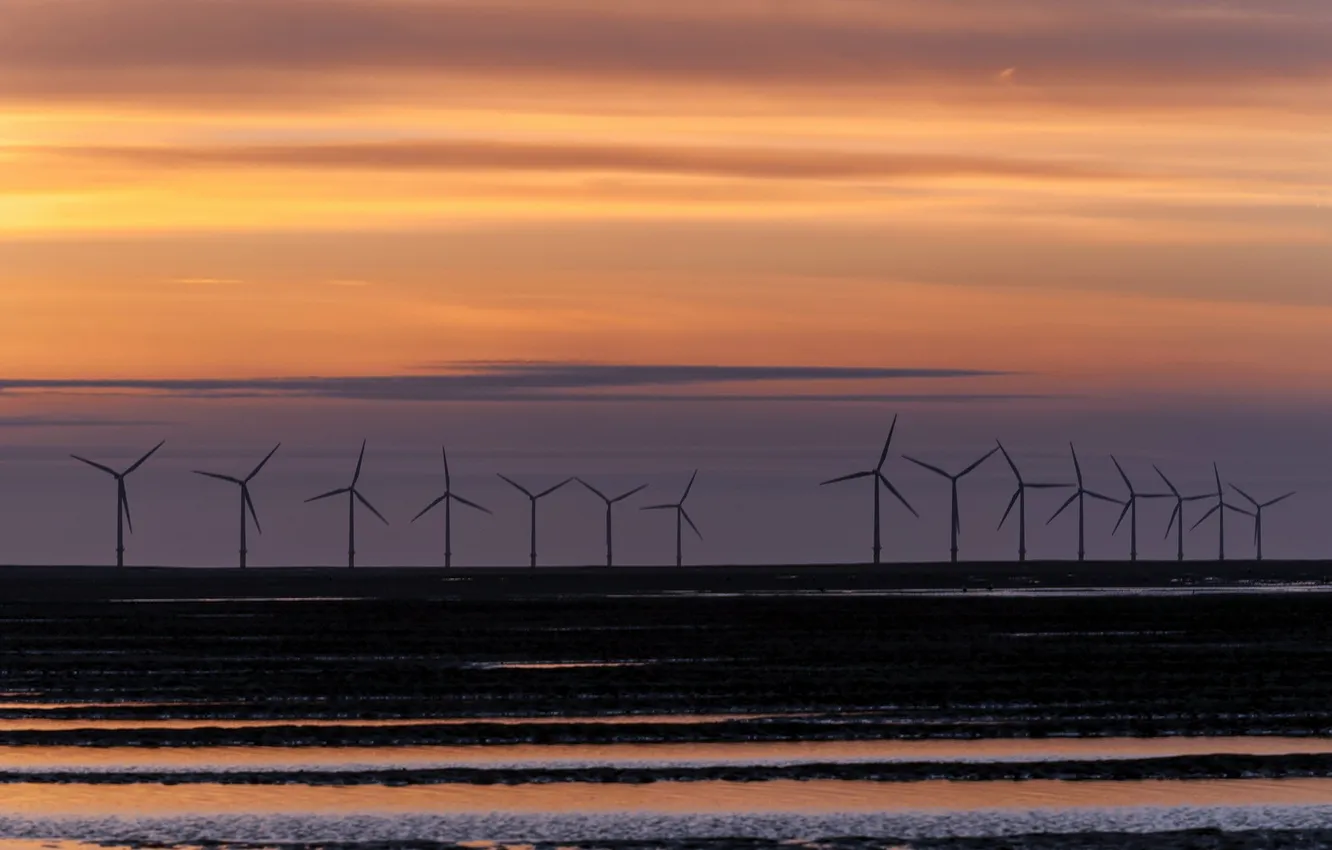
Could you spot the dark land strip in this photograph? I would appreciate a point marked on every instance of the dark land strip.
(868, 667)
(1080, 770)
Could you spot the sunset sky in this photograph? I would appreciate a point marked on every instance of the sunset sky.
(763, 227)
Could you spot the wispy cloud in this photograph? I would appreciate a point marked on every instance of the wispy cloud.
(524, 381)
(168, 47)
(753, 163)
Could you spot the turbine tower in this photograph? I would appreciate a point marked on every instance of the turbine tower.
(1258, 508)
(681, 515)
(534, 498)
(246, 503)
(1178, 514)
(448, 499)
(1080, 496)
(1220, 509)
(877, 479)
(957, 515)
(353, 496)
(123, 517)
(1131, 509)
(610, 504)
(1020, 499)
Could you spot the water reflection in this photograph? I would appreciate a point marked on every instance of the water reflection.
(665, 797)
(57, 724)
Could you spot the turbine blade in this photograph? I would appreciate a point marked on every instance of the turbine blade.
(1207, 515)
(684, 513)
(470, 504)
(851, 477)
(936, 470)
(603, 496)
(1011, 465)
(620, 498)
(970, 469)
(1077, 467)
(1122, 515)
(108, 470)
(262, 463)
(363, 500)
(547, 492)
(900, 497)
(1217, 471)
(659, 508)
(1174, 515)
(1104, 498)
(448, 477)
(526, 492)
(249, 503)
(226, 478)
(141, 461)
(1278, 500)
(430, 507)
(1047, 486)
(330, 494)
(689, 486)
(1012, 503)
(1122, 474)
(356, 477)
(124, 501)
(1237, 509)
(1250, 499)
(1166, 480)
(1064, 507)
(883, 458)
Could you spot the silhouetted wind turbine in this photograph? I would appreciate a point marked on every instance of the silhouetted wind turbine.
(353, 496)
(123, 517)
(877, 478)
(957, 516)
(1178, 514)
(1220, 509)
(1258, 508)
(610, 504)
(680, 515)
(448, 499)
(1080, 496)
(1020, 499)
(534, 498)
(1131, 507)
(246, 503)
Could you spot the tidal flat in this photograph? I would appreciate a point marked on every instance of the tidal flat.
(747, 707)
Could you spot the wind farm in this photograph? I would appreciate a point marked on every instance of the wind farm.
(1131, 514)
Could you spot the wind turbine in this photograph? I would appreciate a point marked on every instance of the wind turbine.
(1220, 509)
(353, 496)
(246, 503)
(1258, 508)
(1020, 499)
(1178, 514)
(448, 499)
(957, 516)
(123, 517)
(680, 515)
(533, 498)
(1080, 496)
(610, 504)
(1131, 507)
(877, 478)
